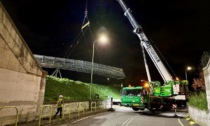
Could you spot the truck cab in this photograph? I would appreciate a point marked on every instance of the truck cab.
(132, 97)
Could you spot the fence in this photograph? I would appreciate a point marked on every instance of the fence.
(46, 111)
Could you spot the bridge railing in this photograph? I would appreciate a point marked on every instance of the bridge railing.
(80, 66)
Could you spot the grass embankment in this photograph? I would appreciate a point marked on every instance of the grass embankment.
(198, 100)
(76, 90)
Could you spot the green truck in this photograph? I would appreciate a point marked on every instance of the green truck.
(131, 97)
(152, 95)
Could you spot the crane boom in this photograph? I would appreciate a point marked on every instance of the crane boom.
(138, 30)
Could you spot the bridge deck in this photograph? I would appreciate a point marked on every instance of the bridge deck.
(80, 66)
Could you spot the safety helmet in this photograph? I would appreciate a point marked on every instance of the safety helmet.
(60, 96)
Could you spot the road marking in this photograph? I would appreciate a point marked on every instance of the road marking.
(81, 119)
(180, 122)
(192, 122)
(86, 118)
(127, 122)
(187, 119)
(130, 121)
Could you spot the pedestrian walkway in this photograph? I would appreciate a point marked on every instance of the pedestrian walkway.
(45, 121)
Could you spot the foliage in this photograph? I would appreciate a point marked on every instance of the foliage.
(199, 83)
(204, 59)
(199, 101)
(198, 98)
(76, 90)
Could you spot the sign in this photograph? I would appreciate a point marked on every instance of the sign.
(174, 106)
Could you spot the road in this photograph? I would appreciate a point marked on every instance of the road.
(127, 117)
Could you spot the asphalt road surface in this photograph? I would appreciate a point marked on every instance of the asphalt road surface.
(123, 116)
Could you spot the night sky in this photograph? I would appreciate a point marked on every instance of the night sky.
(179, 29)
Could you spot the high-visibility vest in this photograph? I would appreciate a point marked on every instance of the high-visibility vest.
(60, 102)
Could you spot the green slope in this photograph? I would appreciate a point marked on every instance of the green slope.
(76, 90)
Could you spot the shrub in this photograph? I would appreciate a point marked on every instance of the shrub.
(76, 90)
(198, 100)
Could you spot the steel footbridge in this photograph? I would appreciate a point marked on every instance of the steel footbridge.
(79, 66)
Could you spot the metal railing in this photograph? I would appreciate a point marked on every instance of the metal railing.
(66, 110)
(16, 115)
(45, 111)
(80, 109)
(93, 105)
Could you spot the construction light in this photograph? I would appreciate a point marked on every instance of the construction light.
(146, 85)
(177, 78)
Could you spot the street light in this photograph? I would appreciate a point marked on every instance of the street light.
(102, 39)
(187, 69)
(185, 88)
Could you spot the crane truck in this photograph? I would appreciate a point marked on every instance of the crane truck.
(152, 95)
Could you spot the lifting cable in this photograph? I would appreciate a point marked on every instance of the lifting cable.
(78, 38)
(85, 23)
(72, 46)
(164, 59)
(91, 33)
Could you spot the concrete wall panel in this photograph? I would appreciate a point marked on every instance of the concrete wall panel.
(22, 81)
(17, 45)
(18, 86)
(2, 51)
(199, 116)
(8, 61)
(206, 71)
(2, 43)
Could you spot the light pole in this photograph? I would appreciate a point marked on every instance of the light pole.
(91, 76)
(187, 69)
(102, 39)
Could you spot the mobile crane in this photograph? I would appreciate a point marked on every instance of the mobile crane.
(155, 95)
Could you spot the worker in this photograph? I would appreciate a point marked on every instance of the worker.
(59, 106)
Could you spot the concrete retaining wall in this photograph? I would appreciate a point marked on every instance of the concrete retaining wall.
(203, 117)
(22, 81)
(200, 117)
(206, 71)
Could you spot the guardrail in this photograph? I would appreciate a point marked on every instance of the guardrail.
(93, 105)
(45, 108)
(16, 119)
(66, 110)
(46, 111)
(80, 108)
